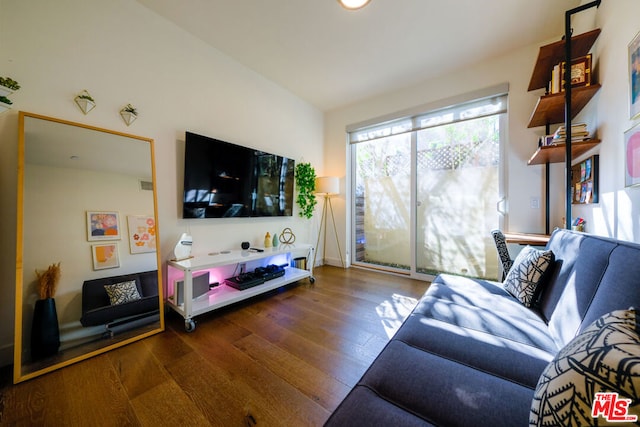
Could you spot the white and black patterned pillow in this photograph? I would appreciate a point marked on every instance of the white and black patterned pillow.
(526, 277)
(604, 358)
(119, 293)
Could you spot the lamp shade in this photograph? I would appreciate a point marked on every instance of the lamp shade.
(353, 4)
(328, 185)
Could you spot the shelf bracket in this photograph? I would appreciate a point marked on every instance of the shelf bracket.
(567, 103)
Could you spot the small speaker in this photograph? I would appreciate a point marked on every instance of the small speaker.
(245, 245)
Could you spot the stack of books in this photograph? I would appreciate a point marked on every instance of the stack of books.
(579, 132)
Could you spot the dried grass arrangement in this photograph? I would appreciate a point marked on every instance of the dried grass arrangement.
(48, 281)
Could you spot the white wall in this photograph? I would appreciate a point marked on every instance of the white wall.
(514, 69)
(123, 53)
(618, 213)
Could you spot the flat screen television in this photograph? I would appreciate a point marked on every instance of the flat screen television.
(223, 180)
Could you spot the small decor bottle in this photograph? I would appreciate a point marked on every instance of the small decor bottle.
(267, 240)
(275, 240)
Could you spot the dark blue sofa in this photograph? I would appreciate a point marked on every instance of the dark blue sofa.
(471, 354)
(97, 308)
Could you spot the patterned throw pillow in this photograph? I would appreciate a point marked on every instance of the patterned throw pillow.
(120, 293)
(524, 280)
(604, 358)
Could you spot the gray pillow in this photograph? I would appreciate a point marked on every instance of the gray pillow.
(528, 272)
(120, 293)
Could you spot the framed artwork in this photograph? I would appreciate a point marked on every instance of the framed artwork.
(634, 76)
(632, 156)
(580, 72)
(105, 255)
(142, 233)
(103, 225)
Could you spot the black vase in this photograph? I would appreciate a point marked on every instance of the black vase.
(45, 335)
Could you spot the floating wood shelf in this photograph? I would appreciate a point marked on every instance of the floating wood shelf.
(556, 153)
(553, 54)
(550, 108)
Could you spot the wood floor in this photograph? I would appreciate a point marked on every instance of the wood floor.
(284, 359)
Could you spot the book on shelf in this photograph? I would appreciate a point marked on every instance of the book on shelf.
(579, 132)
(554, 85)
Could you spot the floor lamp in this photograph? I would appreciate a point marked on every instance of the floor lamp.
(327, 186)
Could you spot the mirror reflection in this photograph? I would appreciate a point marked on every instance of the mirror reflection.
(87, 273)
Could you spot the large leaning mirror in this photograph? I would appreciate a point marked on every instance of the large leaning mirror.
(87, 276)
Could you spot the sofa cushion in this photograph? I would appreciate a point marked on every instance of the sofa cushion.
(604, 358)
(580, 265)
(619, 285)
(526, 277)
(432, 390)
(122, 292)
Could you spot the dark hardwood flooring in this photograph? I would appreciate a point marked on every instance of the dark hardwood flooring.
(283, 359)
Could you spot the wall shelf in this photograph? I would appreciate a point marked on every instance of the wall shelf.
(554, 53)
(553, 108)
(556, 153)
(550, 108)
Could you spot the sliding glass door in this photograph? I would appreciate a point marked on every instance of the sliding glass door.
(426, 190)
(382, 191)
(457, 193)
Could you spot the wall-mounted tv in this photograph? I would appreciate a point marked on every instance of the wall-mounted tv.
(224, 180)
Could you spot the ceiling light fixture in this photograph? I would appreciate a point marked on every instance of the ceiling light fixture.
(353, 4)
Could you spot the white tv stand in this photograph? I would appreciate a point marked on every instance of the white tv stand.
(223, 295)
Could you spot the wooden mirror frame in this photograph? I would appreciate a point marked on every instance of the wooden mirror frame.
(23, 370)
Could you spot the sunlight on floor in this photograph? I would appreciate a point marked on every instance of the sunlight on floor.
(393, 312)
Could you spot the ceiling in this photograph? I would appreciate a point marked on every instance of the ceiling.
(332, 57)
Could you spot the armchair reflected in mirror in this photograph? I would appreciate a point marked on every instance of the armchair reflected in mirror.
(87, 234)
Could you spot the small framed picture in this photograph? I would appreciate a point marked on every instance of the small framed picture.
(103, 225)
(142, 233)
(105, 255)
(632, 156)
(580, 72)
(634, 77)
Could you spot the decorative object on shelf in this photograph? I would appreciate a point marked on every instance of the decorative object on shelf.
(306, 185)
(103, 225)
(353, 4)
(245, 245)
(578, 224)
(634, 76)
(105, 255)
(584, 180)
(129, 114)
(275, 242)
(287, 237)
(267, 240)
(183, 247)
(632, 156)
(580, 72)
(45, 333)
(85, 101)
(327, 186)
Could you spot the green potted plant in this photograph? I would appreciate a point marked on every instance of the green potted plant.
(305, 184)
(129, 113)
(8, 86)
(85, 101)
